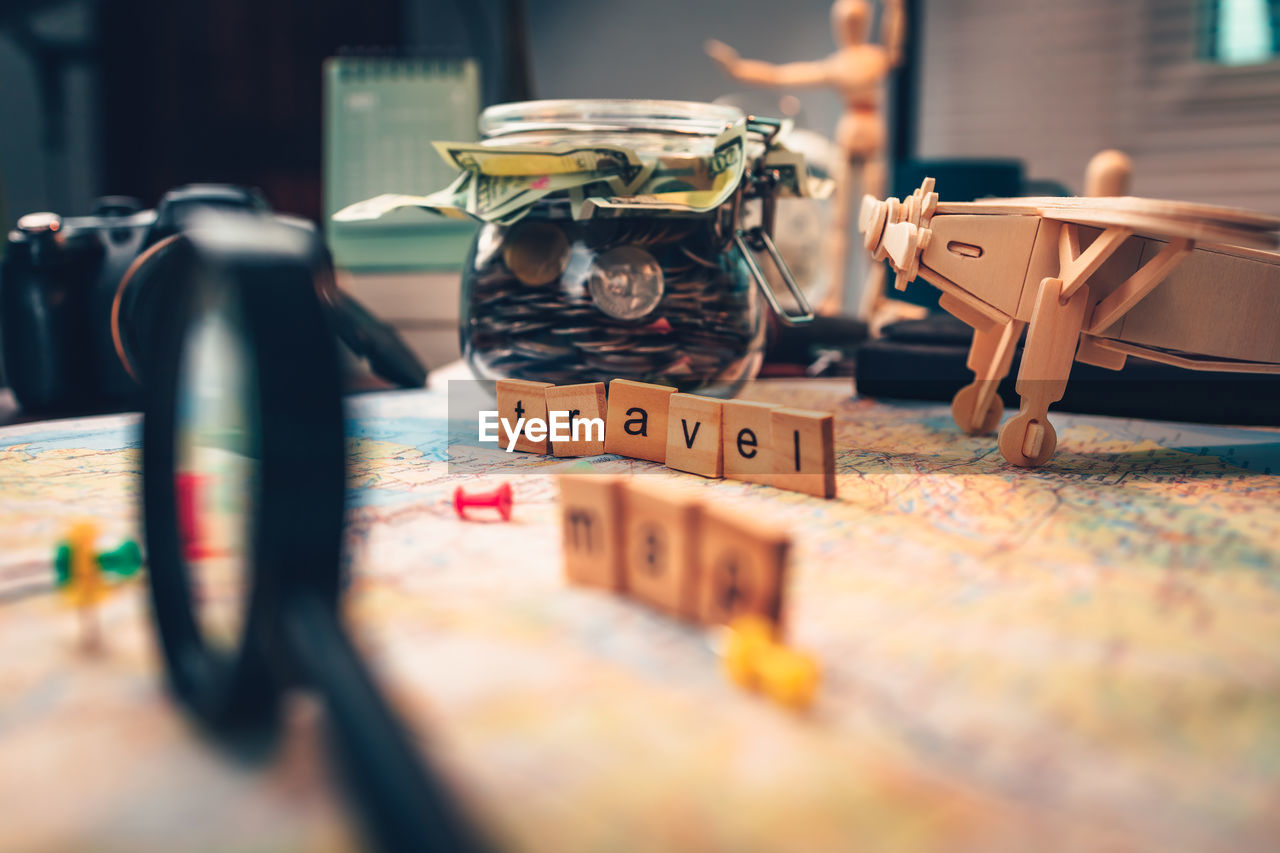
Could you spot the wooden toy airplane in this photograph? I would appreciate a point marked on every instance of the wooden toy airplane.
(1095, 279)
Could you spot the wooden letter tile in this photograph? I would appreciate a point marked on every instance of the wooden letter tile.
(804, 456)
(748, 441)
(742, 566)
(586, 413)
(660, 535)
(693, 435)
(518, 398)
(638, 420)
(591, 507)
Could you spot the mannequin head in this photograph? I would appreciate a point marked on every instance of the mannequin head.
(850, 20)
(1108, 174)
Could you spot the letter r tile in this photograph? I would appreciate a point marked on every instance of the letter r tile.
(582, 402)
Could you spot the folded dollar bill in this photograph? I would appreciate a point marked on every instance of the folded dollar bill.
(793, 176)
(502, 183)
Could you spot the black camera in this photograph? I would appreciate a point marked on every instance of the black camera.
(78, 297)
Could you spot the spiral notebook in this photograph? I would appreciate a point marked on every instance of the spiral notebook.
(381, 115)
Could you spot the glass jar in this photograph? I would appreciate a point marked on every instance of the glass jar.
(667, 296)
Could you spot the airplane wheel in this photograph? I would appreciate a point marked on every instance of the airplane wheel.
(962, 410)
(1028, 441)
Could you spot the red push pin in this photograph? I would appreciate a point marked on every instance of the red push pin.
(499, 499)
(191, 489)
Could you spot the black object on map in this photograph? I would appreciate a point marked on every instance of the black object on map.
(244, 486)
(79, 296)
(925, 360)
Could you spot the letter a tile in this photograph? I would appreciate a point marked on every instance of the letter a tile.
(660, 536)
(638, 420)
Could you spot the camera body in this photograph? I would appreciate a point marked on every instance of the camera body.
(64, 315)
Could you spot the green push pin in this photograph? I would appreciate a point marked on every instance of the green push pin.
(62, 564)
(123, 562)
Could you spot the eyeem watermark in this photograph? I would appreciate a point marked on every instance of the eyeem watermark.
(559, 426)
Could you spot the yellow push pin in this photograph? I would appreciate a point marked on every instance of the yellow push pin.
(748, 638)
(787, 676)
(754, 659)
(81, 574)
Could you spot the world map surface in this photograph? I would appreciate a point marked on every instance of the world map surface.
(1081, 655)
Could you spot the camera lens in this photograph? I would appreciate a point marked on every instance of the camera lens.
(139, 307)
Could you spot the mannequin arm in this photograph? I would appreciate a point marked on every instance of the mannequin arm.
(766, 73)
(893, 31)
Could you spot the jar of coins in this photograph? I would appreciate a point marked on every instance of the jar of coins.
(612, 245)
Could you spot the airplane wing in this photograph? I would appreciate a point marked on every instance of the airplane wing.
(1150, 217)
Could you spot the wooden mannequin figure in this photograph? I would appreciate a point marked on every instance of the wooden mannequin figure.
(856, 71)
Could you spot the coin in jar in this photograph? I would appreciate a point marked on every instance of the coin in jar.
(626, 283)
(652, 348)
(621, 362)
(619, 344)
(538, 349)
(572, 331)
(524, 327)
(536, 252)
(512, 308)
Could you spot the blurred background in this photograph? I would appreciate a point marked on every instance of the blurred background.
(134, 97)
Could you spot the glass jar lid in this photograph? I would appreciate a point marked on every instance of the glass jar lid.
(608, 115)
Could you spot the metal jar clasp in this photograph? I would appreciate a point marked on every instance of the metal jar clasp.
(750, 241)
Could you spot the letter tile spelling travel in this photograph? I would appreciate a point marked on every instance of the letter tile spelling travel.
(747, 434)
(804, 456)
(585, 408)
(638, 420)
(693, 435)
(519, 398)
